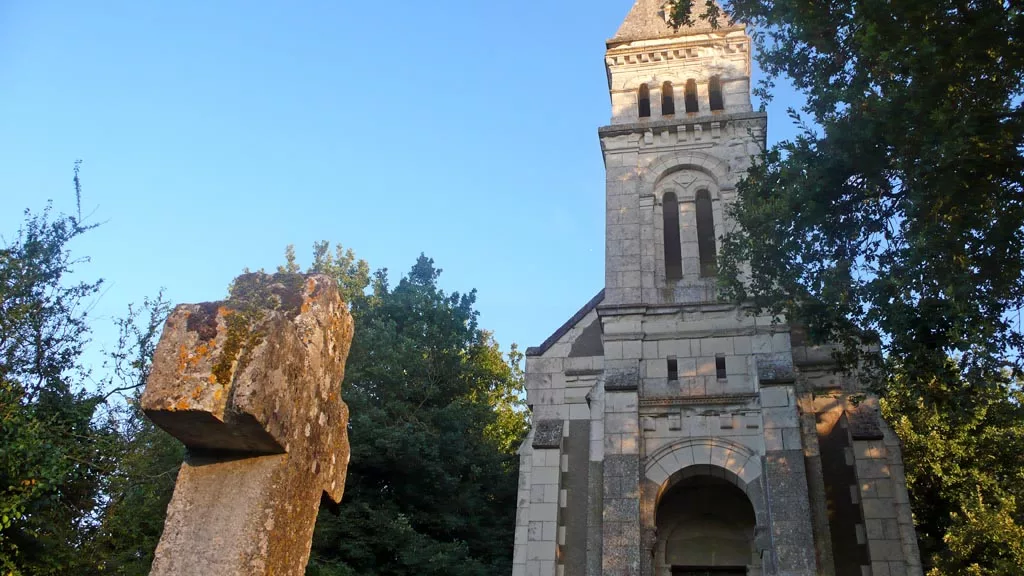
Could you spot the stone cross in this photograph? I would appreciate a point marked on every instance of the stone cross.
(251, 385)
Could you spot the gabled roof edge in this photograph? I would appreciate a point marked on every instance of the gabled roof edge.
(539, 350)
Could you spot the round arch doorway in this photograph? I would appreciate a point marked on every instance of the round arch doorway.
(706, 527)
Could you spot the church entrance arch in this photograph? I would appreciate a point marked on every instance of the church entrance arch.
(705, 510)
(705, 526)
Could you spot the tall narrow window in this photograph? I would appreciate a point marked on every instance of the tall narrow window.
(706, 235)
(643, 100)
(668, 100)
(720, 372)
(673, 250)
(715, 94)
(691, 96)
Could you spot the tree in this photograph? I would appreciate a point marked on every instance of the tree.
(896, 216)
(432, 482)
(51, 457)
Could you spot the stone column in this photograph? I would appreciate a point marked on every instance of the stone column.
(785, 476)
(621, 519)
(545, 498)
(889, 527)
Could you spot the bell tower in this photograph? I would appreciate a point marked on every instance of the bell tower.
(675, 433)
(682, 134)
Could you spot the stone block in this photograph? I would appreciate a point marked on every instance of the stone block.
(775, 396)
(544, 364)
(737, 384)
(615, 401)
(674, 422)
(552, 457)
(692, 386)
(773, 439)
(544, 513)
(878, 508)
(687, 367)
(656, 368)
(736, 365)
(536, 532)
(536, 493)
(874, 528)
(751, 470)
(706, 366)
(775, 368)
(752, 420)
(791, 439)
(632, 348)
(684, 457)
(761, 344)
(540, 550)
(741, 345)
(701, 453)
(781, 343)
(785, 417)
(545, 475)
(579, 412)
(620, 423)
(651, 349)
(885, 550)
(871, 469)
(550, 531)
(656, 473)
(716, 346)
(622, 378)
(613, 350)
(547, 434)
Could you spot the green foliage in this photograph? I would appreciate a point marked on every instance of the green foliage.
(436, 414)
(896, 215)
(964, 457)
(51, 457)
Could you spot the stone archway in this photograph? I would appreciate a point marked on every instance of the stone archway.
(705, 524)
(679, 481)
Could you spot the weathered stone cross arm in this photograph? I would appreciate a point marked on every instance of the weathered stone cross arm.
(252, 386)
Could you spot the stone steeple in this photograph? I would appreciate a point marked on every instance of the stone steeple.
(648, 20)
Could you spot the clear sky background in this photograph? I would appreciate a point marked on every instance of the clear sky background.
(213, 134)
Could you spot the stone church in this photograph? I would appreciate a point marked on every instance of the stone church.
(675, 433)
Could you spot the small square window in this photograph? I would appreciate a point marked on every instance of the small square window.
(720, 367)
(673, 368)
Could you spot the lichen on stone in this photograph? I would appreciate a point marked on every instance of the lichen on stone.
(251, 297)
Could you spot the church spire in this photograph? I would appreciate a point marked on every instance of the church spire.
(649, 20)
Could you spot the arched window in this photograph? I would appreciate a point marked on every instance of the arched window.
(691, 96)
(668, 101)
(673, 250)
(715, 94)
(643, 100)
(706, 235)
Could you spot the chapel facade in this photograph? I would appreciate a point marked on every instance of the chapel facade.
(674, 433)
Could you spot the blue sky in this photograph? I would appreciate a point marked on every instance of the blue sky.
(213, 134)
